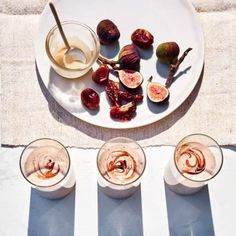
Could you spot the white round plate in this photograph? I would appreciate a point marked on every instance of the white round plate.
(167, 20)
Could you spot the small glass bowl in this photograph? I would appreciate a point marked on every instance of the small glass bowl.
(79, 35)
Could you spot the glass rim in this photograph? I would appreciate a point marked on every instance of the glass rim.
(59, 181)
(72, 22)
(219, 148)
(144, 155)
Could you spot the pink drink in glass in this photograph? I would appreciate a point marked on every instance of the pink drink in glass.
(197, 159)
(45, 163)
(121, 162)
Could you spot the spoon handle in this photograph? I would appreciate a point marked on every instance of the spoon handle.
(54, 12)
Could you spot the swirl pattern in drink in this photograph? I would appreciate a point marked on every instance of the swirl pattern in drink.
(197, 159)
(121, 162)
(121, 167)
(45, 163)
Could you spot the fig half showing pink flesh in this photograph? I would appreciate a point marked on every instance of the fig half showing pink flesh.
(157, 92)
(130, 79)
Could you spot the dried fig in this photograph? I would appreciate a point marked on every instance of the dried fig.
(112, 91)
(101, 75)
(142, 38)
(90, 98)
(125, 112)
(129, 97)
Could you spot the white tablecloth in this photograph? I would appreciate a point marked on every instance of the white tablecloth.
(153, 210)
(29, 112)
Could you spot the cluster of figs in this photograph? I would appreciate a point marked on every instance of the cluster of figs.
(126, 68)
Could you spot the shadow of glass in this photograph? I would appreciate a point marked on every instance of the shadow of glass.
(189, 215)
(51, 217)
(120, 217)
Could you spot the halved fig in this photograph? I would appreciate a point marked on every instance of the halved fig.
(157, 92)
(131, 79)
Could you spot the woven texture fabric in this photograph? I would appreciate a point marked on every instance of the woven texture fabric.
(29, 112)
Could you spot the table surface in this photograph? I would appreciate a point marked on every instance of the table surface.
(29, 112)
(38, 114)
(152, 210)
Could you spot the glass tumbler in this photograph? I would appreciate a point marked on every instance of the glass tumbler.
(197, 159)
(79, 36)
(121, 163)
(45, 163)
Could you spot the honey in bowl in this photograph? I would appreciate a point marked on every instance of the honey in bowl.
(79, 57)
(79, 36)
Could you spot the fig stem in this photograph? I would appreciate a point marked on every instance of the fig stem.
(109, 62)
(150, 79)
(174, 68)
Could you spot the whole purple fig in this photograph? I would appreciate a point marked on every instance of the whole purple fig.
(107, 32)
(129, 57)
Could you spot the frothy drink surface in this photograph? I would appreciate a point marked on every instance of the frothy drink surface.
(195, 161)
(46, 166)
(120, 165)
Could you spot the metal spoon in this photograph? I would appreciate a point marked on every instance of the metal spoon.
(72, 53)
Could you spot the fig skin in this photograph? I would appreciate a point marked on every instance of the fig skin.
(130, 97)
(142, 38)
(168, 52)
(101, 75)
(125, 112)
(157, 92)
(107, 32)
(129, 57)
(130, 79)
(90, 98)
(112, 91)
